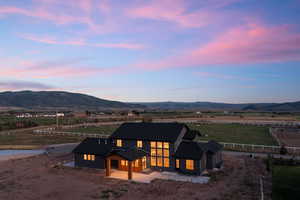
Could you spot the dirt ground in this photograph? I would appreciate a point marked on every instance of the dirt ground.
(39, 177)
(288, 136)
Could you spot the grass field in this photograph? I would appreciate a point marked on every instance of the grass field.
(286, 182)
(105, 129)
(235, 133)
(28, 138)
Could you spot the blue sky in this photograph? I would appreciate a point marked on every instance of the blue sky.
(157, 50)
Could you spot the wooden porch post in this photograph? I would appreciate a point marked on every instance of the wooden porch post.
(129, 170)
(108, 167)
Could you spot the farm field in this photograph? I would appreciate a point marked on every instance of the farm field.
(286, 181)
(105, 129)
(234, 133)
(28, 138)
(289, 137)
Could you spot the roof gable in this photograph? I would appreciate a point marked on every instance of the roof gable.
(149, 131)
(94, 146)
(190, 150)
(213, 146)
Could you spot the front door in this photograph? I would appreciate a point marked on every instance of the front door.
(114, 164)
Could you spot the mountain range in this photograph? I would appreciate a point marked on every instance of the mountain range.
(53, 99)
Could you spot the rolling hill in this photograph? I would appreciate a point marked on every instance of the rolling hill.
(52, 99)
(286, 107)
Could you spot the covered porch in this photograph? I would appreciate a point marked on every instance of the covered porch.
(130, 160)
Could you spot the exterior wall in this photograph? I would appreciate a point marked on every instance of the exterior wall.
(198, 169)
(99, 162)
(214, 160)
(147, 148)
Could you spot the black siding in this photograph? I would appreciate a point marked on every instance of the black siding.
(99, 162)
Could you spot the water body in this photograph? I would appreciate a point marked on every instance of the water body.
(14, 154)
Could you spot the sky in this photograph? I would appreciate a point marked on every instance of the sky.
(233, 51)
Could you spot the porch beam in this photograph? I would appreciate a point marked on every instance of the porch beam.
(129, 170)
(108, 167)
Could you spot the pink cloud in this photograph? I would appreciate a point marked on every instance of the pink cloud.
(252, 43)
(81, 42)
(177, 11)
(170, 10)
(220, 76)
(54, 69)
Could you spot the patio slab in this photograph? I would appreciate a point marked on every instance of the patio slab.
(147, 178)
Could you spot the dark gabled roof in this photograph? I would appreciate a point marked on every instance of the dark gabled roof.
(190, 135)
(104, 147)
(190, 150)
(213, 146)
(94, 146)
(129, 153)
(168, 132)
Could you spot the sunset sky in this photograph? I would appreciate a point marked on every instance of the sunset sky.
(153, 50)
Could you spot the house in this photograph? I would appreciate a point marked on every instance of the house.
(158, 146)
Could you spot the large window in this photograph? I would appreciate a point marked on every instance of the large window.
(139, 144)
(119, 143)
(89, 157)
(124, 163)
(189, 164)
(160, 153)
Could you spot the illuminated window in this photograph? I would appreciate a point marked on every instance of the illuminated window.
(153, 144)
(189, 164)
(144, 162)
(89, 157)
(153, 152)
(159, 144)
(166, 152)
(177, 164)
(119, 143)
(124, 162)
(166, 162)
(153, 161)
(136, 163)
(139, 144)
(166, 145)
(159, 161)
(159, 152)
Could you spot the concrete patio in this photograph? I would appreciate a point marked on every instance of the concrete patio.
(147, 178)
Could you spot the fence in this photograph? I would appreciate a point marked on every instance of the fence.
(259, 148)
(52, 132)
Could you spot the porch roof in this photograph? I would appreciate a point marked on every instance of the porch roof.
(129, 154)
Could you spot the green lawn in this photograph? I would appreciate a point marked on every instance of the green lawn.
(286, 182)
(235, 133)
(105, 129)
